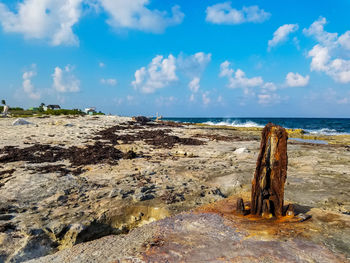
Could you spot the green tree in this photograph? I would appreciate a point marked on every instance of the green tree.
(41, 107)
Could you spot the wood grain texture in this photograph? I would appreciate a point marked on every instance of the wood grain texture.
(271, 172)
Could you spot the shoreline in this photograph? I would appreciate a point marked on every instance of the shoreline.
(294, 133)
(340, 139)
(68, 180)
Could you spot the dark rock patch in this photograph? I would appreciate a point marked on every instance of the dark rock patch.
(171, 197)
(9, 172)
(7, 227)
(148, 189)
(130, 155)
(141, 119)
(146, 197)
(170, 124)
(6, 217)
(60, 168)
(126, 194)
(8, 208)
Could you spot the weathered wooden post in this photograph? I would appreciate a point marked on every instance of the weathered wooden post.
(271, 172)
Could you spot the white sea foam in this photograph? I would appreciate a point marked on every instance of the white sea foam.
(325, 131)
(247, 124)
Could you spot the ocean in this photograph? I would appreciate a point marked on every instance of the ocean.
(322, 126)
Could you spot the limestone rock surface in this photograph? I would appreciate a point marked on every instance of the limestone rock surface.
(194, 237)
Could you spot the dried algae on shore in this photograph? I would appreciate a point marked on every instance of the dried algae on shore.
(108, 175)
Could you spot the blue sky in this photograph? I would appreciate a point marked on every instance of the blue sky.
(178, 58)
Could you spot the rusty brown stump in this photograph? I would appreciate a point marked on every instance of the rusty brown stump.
(271, 172)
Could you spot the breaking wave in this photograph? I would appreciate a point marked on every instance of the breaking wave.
(326, 131)
(248, 124)
(312, 126)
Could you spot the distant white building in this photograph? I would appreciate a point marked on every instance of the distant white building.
(90, 110)
(5, 111)
(51, 107)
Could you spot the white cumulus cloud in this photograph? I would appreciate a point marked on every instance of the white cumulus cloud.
(158, 74)
(193, 67)
(110, 82)
(43, 19)
(64, 81)
(134, 14)
(317, 30)
(162, 72)
(344, 40)
(281, 34)
(268, 95)
(28, 86)
(330, 54)
(297, 80)
(224, 13)
(238, 79)
(194, 84)
(53, 20)
(269, 86)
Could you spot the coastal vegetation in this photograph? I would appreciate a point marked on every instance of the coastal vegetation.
(42, 110)
(64, 112)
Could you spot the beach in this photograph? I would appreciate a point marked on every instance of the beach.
(67, 180)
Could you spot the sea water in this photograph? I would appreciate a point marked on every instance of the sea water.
(317, 126)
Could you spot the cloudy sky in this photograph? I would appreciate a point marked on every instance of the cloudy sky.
(237, 58)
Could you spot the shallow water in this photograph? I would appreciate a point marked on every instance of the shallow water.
(308, 141)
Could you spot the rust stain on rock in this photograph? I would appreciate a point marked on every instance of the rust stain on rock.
(253, 225)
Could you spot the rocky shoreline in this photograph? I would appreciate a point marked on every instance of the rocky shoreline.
(71, 180)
